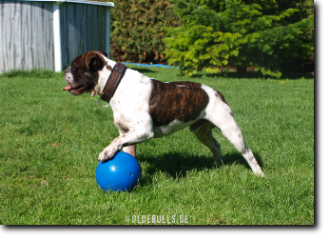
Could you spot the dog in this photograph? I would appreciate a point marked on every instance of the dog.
(145, 108)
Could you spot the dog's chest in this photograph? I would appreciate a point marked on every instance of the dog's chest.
(130, 103)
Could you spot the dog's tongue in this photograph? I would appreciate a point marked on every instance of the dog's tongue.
(67, 88)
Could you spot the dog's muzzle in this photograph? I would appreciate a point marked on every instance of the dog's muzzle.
(74, 87)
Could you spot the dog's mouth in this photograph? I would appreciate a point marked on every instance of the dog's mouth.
(77, 90)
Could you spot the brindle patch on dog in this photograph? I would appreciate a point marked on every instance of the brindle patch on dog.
(183, 101)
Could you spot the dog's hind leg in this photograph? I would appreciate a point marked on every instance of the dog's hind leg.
(219, 113)
(203, 131)
(225, 121)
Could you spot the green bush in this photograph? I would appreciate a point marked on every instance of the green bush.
(137, 29)
(240, 33)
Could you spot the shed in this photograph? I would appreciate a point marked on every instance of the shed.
(49, 34)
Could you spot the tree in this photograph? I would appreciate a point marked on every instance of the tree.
(137, 29)
(238, 33)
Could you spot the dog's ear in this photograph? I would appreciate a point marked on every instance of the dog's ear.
(104, 53)
(94, 62)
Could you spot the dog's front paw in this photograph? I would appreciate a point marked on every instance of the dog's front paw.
(107, 154)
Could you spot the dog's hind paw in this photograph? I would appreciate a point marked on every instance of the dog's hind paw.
(259, 174)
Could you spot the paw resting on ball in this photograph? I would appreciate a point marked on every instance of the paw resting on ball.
(107, 153)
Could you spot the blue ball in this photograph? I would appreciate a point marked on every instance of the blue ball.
(122, 173)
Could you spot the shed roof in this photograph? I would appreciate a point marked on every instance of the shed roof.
(107, 4)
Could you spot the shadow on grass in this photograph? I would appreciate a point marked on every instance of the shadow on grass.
(177, 166)
(251, 75)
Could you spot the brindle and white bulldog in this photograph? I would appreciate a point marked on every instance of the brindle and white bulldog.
(146, 108)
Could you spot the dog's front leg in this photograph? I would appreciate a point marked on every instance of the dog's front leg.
(128, 149)
(130, 138)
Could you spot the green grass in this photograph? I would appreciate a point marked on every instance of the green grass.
(50, 141)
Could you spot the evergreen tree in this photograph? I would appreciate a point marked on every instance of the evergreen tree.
(239, 33)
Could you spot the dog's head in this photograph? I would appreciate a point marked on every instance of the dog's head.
(83, 74)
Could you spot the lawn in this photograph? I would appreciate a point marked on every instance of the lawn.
(50, 141)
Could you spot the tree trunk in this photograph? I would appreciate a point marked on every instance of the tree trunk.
(241, 71)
